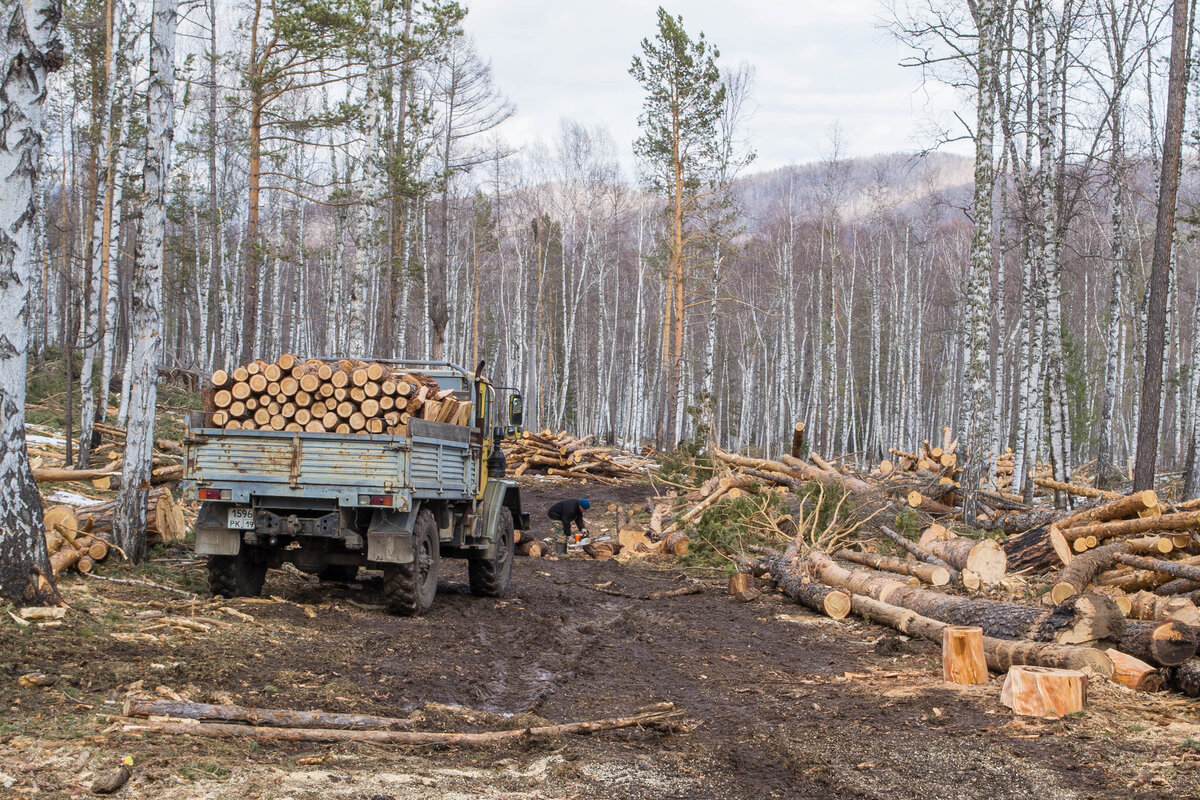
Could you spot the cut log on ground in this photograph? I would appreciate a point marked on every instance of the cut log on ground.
(1163, 644)
(985, 558)
(1185, 678)
(1044, 692)
(1134, 673)
(1083, 569)
(818, 597)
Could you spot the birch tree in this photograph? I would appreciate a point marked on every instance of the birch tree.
(976, 411)
(129, 517)
(29, 50)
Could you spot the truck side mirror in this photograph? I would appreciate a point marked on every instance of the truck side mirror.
(516, 410)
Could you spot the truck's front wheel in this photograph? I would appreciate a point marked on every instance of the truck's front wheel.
(490, 576)
(409, 589)
(242, 575)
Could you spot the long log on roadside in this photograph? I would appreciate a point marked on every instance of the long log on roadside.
(52, 475)
(1125, 506)
(1000, 653)
(1187, 520)
(663, 714)
(270, 717)
(1083, 619)
(927, 573)
(1174, 569)
(1076, 489)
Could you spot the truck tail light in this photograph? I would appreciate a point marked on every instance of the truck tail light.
(215, 494)
(374, 499)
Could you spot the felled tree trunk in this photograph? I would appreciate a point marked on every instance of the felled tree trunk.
(816, 596)
(984, 557)
(928, 573)
(1083, 619)
(1000, 653)
(1134, 673)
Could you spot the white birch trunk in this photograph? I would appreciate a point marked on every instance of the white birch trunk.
(29, 48)
(129, 517)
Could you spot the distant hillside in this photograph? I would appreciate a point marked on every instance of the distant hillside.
(861, 185)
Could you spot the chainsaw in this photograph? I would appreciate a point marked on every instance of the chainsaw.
(586, 540)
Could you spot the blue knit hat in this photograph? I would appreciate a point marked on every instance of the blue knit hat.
(584, 504)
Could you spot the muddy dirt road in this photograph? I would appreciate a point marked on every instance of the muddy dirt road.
(779, 702)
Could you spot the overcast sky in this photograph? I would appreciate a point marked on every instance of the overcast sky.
(818, 62)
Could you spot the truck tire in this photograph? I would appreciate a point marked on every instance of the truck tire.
(341, 573)
(237, 576)
(490, 576)
(409, 589)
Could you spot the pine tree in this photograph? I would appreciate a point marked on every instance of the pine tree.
(680, 145)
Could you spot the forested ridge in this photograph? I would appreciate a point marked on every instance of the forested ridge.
(339, 184)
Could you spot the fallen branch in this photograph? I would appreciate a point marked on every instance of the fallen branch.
(269, 717)
(139, 582)
(661, 595)
(656, 716)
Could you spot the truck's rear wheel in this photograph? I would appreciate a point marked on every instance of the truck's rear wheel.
(409, 589)
(490, 576)
(242, 575)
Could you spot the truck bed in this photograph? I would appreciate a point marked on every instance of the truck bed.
(433, 461)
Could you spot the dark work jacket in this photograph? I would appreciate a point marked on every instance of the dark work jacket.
(568, 511)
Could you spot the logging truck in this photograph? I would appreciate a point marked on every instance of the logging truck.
(333, 502)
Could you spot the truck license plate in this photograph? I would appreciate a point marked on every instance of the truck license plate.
(241, 519)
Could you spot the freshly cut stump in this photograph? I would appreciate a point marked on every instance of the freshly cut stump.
(963, 660)
(1044, 692)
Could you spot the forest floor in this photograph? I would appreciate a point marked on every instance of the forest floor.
(779, 702)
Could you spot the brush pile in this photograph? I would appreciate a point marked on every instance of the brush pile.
(315, 396)
(567, 456)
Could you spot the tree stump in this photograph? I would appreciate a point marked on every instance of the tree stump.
(1044, 692)
(962, 655)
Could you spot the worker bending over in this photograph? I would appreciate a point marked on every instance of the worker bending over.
(568, 512)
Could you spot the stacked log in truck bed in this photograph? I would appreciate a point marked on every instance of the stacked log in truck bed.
(346, 396)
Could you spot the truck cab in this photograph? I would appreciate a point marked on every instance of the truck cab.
(334, 503)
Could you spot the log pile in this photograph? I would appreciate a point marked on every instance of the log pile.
(315, 396)
(76, 538)
(564, 455)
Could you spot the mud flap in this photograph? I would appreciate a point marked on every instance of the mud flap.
(389, 537)
(213, 538)
(217, 542)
